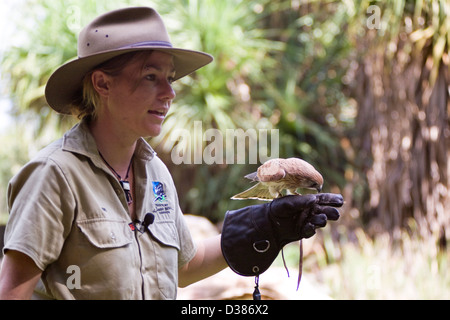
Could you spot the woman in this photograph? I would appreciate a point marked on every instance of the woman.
(95, 215)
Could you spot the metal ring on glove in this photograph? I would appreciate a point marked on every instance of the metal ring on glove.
(267, 242)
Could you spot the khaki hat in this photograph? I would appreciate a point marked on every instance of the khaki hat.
(108, 36)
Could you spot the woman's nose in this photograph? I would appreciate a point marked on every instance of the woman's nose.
(167, 93)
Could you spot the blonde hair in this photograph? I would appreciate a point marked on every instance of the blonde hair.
(88, 100)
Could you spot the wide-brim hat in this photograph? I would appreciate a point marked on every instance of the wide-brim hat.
(108, 36)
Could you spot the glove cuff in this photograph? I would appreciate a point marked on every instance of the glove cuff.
(248, 242)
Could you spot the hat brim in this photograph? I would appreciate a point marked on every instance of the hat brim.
(65, 83)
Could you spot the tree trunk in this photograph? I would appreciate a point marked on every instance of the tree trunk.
(403, 138)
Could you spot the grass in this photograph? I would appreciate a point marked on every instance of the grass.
(376, 268)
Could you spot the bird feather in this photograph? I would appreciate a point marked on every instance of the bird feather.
(258, 192)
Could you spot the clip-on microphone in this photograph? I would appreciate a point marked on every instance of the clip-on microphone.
(148, 220)
(142, 226)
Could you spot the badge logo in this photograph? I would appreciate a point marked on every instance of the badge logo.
(158, 191)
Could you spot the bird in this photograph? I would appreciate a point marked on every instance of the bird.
(277, 175)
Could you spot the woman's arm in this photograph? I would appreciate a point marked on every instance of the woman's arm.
(207, 261)
(18, 276)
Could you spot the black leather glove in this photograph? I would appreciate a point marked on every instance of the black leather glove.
(253, 236)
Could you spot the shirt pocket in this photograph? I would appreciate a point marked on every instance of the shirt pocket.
(106, 233)
(165, 233)
(167, 247)
(103, 249)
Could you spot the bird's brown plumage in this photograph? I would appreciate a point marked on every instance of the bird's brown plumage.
(277, 175)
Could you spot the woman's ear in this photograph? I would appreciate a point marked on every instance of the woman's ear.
(101, 82)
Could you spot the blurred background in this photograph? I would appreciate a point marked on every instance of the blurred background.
(358, 88)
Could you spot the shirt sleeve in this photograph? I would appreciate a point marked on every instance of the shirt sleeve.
(41, 207)
(188, 249)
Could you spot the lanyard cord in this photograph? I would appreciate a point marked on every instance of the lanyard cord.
(118, 175)
(124, 183)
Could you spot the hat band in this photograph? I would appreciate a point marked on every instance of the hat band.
(149, 44)
(141, 44)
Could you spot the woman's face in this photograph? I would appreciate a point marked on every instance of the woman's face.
(140, 96)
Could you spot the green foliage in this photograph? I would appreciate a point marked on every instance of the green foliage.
(306, 94)
(274, 68)
(278, 64)
(49, 39)
(228, 30)
(220, 95)
(13, 156)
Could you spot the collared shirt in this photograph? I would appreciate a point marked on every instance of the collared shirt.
(69, 213)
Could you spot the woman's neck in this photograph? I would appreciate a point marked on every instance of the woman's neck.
(115, 146)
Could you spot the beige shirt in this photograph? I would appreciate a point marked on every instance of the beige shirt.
(69, 214)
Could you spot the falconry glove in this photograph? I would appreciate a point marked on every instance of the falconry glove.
(253, 236)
